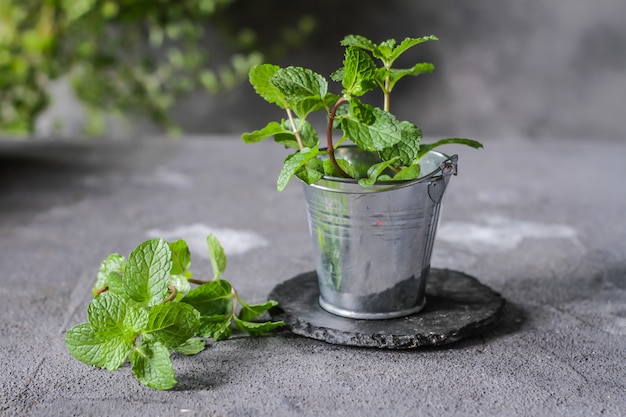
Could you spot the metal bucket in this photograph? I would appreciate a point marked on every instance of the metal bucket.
(372, 246)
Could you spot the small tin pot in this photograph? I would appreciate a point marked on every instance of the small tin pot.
(372, 246)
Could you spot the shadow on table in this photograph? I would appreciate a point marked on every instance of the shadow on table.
(35, 176)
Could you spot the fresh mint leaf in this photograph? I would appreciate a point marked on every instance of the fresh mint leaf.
(181, 257)
(116, 284)
(113, 264)
(250, 312)
(374, 172)
(85, 345)
(409, 43)
(216, 253)
(147, 272)
(424, 149)
(293, 163)
(152, 365)
(307, 134)
(384, 132)
(173, 323)
(298, 84)
(182, 285)
(338, 75)
(384, 50)
(256, 329)
(364, 113)
(359, 41)
(411, 172)
(311, 172)
(329, 168)
(111, 316)
(192, 346)
(88, 347)
(417, 69)
(271, 129)
(359, 72)
(259, 77)
(211, 298)
(115, 351)
(407, 149)
(216, 326)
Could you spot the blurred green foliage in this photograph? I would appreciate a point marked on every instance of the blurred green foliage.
(122, 56)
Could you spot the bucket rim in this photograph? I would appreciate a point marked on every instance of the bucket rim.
(380, 186)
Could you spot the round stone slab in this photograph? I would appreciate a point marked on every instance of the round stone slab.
(457, 306)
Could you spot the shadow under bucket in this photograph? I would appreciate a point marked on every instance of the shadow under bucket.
(372, 246)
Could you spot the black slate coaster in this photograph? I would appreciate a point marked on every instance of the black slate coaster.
(457, 306)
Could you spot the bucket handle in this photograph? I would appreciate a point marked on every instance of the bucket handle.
(437, 187)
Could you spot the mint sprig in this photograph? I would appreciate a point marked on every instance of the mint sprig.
(144, 309)
(300, 91)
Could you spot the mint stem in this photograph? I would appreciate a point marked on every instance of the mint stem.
(296, 132)
(197, 281)
(172, 296)
(329, 136)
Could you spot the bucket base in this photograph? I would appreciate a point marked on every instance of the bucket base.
(458, 306)
(368, 316)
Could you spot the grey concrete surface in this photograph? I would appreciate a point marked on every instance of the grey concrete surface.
(542, 222)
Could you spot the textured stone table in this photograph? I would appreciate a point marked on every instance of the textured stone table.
(540, 222)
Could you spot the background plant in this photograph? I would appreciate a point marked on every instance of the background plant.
(120, 56)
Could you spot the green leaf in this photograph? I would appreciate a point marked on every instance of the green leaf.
(259, 77)
(384, 132)
(409, 43)
(359, 41)
(409, 173)
(116, 285)
(384, 50)
(329, 168)
(359, 72)
(113, 264)
(417, 69)
(424, 149)
(173, 323)
(181, 257)
(293, 163)
(311, 172)
(271, 129)
(299, 83)
(407, 149)
(192, 346)
(216, 253)
(86, 346)
(217, 326)
(147, 272)
(249, 312)
(364, 113)
(256, 329)
(182, 285)
(211, 298)
(111, 316)
(307, 134)
(374, 172)
(152, 365)
(116, 350)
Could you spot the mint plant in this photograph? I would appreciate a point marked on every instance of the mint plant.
(301, 92)
(144, 309)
